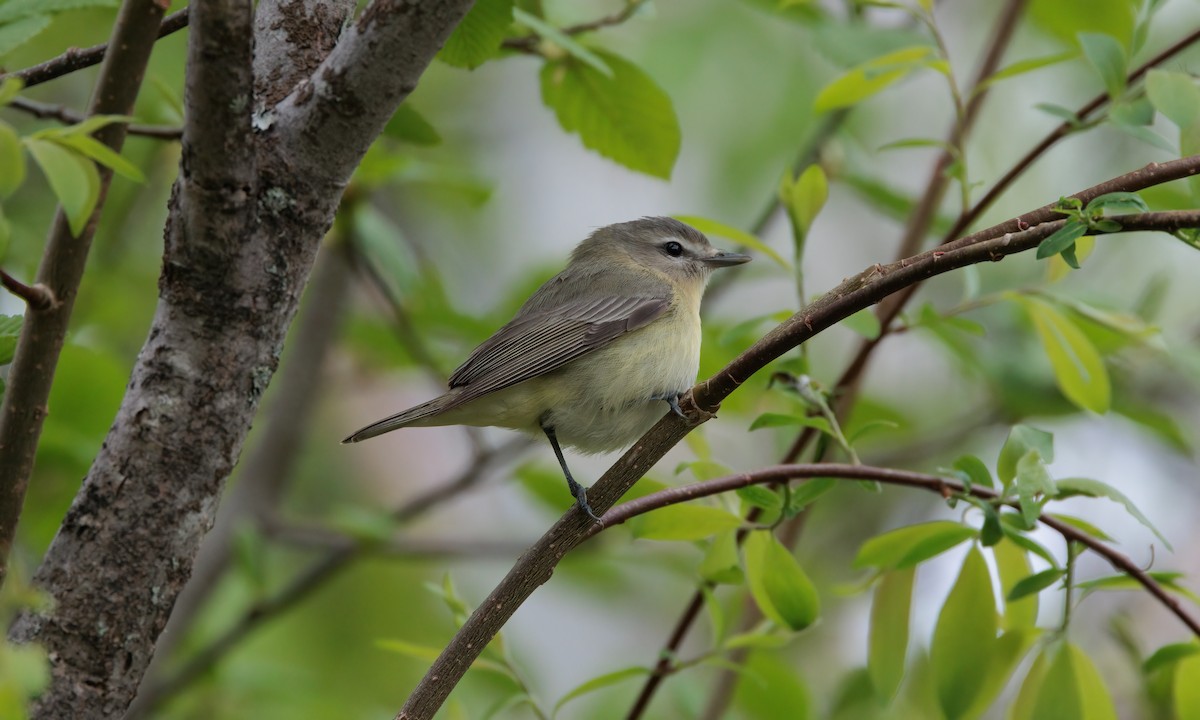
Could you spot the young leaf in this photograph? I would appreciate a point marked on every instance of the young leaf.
(599, 683)
(1072, 688)
(90, 147)
(1175, 95)
(1118, 202)
(477, 37)
(1187, 688)
(964, 638)
(563, 40)
(888, 640)
(684, 522)
(1034, 584)
(974, 470)
(74, 179)
(10, 87)
(1107, 56)
(769, 420)
(1062, 239)
(779, 586)
(1024, 66)
(720, 563)
(1022, 439)
(626, 117)
(805, 196)
(1012, 565)
(761, 497)
(1078, 368)
(1022, 707)
(1097, 489)
(908, 546)
(741, 237)
(871, 77)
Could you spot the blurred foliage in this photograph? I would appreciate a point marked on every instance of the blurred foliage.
(1017, 377)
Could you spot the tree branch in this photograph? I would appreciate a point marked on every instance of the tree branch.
(76, 59)
(67, 116)
(529, 43)
(37, 296)
(45, 328)
(861, 291)
(887, 476)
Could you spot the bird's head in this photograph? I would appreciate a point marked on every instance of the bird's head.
(662, 245)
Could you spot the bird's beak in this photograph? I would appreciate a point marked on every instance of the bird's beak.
(726, 259)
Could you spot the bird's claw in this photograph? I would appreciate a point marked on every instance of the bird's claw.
(580, 494)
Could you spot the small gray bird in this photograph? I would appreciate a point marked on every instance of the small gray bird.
(590, 355)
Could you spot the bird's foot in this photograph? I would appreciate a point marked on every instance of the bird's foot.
(672, 399)
(580, 494)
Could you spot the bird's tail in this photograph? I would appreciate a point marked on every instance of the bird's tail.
(405, 418)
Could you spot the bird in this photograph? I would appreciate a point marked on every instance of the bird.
(591, 355)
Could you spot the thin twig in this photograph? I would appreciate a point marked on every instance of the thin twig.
(77, 59)
(887, 476)
(37, 296)
(529, 43)
(321, 537)
(67, 116)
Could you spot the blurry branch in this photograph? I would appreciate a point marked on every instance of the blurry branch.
(319, 537)
(44, 331)
(37, 296)
(77, 59)
(918, 226)
(969, 216)
(67, 116)
(316, 576)
(941, 486)
(854, 294)
(529, 43)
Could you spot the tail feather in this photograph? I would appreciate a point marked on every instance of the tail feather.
(404, 418)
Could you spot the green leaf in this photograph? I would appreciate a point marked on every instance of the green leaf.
(964, 638)
(871, 77)
(756, 639)
(1097, 489)
(1118, 202)
(74, 179)
(627, 117)
(101, 153)
(741, 237)
(807, 492)
(783, 592)
(1167, 655)
(759, 496)
(684, 522)
(1078, 368)
(408, 125)
(1022, 439)
(1007, 653)
(1062, 239)
(15, 34)
(974, 470)
(10, 87)
(908, 546)
(1072, 688)
(599, 683)
(428, 654)
(12, 160)
(477, 38)
(1022, 707)
(1034, 486)
(548, 32)
(769, 420)
(805, 196)
(1034, 584)
(1107, 55)
(865, 323)
(1025, 66)
(1012, 565)
(720, 563)
(1187, 688)
(1175, 95)
(887, 645)
(1124, 582)
(86, 127)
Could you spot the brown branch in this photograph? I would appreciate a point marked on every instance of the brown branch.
(869, 287)
(317, 575)
(529, 43)
(67, 116)
(24, 406)
(320, 537)
(887, 476)
(37, 296)
(77, 59)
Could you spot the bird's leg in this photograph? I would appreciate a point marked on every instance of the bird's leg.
(672, 400)
(578, 491)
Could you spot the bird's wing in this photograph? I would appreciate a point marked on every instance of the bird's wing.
(536, 343)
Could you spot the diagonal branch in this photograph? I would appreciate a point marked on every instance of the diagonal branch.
(67, 116)
(861, 291)
(76, 59)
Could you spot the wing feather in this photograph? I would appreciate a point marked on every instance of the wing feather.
(535, 344)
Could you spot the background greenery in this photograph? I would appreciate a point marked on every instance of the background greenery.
(463, 209)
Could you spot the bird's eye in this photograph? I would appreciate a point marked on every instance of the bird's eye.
(673, 249)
